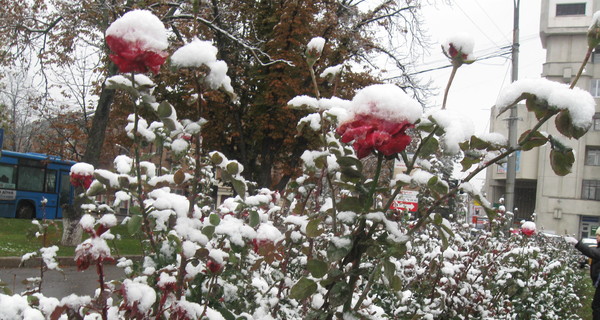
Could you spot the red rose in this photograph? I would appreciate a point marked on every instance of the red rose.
(528, 228)
(131, 57)
(213, 266)
(81, 180)
(371, 133)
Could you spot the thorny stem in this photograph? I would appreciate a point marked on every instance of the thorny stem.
(314, 80)
(367, 288)
(100, 271)
(452, 74)
(583, 64)
(138, 171)
(504, 154)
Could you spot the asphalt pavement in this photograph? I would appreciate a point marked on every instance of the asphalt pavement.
(55, 283)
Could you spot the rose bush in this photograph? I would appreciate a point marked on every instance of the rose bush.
(328, 246)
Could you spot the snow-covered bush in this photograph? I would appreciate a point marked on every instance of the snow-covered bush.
(328, 246)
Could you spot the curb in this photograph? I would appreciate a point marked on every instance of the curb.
(15, 262)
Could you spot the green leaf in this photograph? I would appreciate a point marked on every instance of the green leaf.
(334, 253)
(312, 228)
(339, 294)
(169, 124)
(254, 218)
(349, 162)
(317, 268)
(134, 224)
(396, 283)
(208, 231)
(562, 161)
(349, 204)
(389, 270)
(164, 110)
(564, 125)
(430, 147)
(438, 219)
(470, 158)
(239, 186)
(537, 139)
(216, 158)
(214, 219)
(303, 289)
(479, 144)
(538, 106)
(233, 168)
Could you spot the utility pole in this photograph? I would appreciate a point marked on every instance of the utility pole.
(511, 169)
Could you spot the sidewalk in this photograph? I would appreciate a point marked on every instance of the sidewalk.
(14, 262)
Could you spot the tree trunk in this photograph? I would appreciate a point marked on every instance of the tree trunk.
(71, 230)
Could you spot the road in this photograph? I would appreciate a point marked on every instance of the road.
(57, 284)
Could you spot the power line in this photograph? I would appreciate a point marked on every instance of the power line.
(505, 51)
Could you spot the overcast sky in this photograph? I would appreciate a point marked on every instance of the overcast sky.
(490, 23)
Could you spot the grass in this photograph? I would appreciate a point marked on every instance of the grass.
(17, 237)
(586, 293)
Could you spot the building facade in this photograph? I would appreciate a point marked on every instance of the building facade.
(568, 204)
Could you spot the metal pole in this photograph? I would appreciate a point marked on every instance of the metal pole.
(511, 170)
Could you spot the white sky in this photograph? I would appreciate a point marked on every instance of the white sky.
(490, 23)
(477, 86)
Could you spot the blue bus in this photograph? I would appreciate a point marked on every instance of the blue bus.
(28, 178)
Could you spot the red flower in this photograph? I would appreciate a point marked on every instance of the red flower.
(371, 133)
(213, 266)
(132, 57)
(257, 243)
(81, 180)
(528, 228)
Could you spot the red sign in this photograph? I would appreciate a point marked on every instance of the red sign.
(406, 201)
(405, 205)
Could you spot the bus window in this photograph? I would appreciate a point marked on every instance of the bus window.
(7, 177)
(65, 188)
(31, 179)
(51, 181)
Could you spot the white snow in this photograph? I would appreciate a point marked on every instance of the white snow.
(580, 103)
(194, 54)
(386, 101)
(139, 293)
(316, 44)
(457, 127)
(123, 164)
(462, 42)
(332, 71)
(141, 27)
(82, 168)
(198, 53)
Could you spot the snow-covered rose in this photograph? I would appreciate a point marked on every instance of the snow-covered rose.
(381, 114)
(528, 228)
(137, 39)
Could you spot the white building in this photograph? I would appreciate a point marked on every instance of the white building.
(569, 204)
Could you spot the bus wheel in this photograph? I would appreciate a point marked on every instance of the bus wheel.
(25, 211)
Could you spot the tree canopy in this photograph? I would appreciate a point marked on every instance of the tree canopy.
(263, 44)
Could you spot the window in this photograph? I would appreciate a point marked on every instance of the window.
(570, 9)
(590, 190)
(51, 181)
(596, 122)
(592, 156)
(595, 87)
(7, 177)
(31, 179)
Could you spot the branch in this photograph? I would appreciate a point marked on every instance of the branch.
(256, 52)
